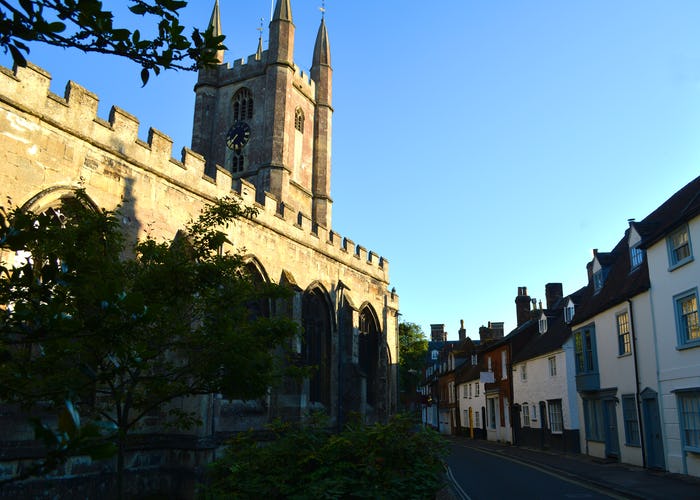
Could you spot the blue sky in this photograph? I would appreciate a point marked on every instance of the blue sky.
(478, 145)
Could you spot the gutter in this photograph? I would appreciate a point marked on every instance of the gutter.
(636, 384)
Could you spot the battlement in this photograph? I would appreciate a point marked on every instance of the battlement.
(27, 90)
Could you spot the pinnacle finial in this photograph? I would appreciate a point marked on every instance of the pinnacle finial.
(322, 47)
(215, 26)
(258, 53)
(283, 11)
(322, 8)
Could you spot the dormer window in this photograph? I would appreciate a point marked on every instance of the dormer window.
(569, 311)
(679, 250)
(474, 360)
(434, 355)
(636, 257)
(543, 323)
(599, 280)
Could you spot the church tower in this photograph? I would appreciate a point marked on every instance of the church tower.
(265, 121)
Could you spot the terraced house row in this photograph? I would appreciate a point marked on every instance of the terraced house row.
(611, 370)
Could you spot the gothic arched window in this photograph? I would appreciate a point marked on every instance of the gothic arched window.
(299, 120)
(317, 344)
(242, 105)
(369, 352)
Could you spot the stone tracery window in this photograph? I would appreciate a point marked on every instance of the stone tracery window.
(299, 120)
(242, 105)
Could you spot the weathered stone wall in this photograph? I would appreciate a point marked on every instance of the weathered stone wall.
(51, 145)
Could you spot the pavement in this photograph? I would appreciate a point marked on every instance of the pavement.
(623, 480)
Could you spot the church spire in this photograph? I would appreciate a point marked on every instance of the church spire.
(281, 46)
(322, 75)
(259, 52)
(215, 26)
(322, 48)
(283, 11)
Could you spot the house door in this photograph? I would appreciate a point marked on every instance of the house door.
(516, 424)
(612, 443)
(652, 431)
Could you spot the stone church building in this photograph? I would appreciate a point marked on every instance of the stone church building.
(262, 131)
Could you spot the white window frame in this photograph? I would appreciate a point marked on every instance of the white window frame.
(491, 419)
(689, 419)
(533, 412)
(556, 416)
(569, 311)
(504, 365)
(624, 333)
(523, 372)
(526, 415)
(630, 420)
(674, 246)
(552, 362)
(688, 334)
(636, 257)
(476, 395)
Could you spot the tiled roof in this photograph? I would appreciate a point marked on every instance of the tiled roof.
(557, 333)
(621, 282)
(681, 207)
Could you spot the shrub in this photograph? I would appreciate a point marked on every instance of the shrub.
(398, 460)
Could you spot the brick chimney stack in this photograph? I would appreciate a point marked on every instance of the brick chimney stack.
(522, 305)
(553, 292)
(497, 329)
(438, 333)
(462, 331)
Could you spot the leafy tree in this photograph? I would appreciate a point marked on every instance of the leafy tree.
(115, 339)
(86, 25)
(413, 347)
(396, 460)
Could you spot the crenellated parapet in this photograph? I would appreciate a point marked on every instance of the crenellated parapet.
(248, 68)
(27, 90)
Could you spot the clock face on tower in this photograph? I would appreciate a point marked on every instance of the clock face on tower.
(238, 136)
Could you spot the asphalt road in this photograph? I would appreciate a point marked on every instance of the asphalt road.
(483, 475)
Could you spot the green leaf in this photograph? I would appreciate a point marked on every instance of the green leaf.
(56, 27)
(144, 76)
(17, 56)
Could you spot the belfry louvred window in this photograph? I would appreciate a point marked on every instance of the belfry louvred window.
(242, 105)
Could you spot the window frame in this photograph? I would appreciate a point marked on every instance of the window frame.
(693, 444)
(636, 257)
(593, 419)
(552, 363)
(299, 120)
(526, 414)
(682, 330)
(630, 418)
(599, 280)
(585, 356)
(491, 413)
(556, 425)
(624, 337)
(569, 311)
(674, 261)
(242, 104)
(523, 372)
